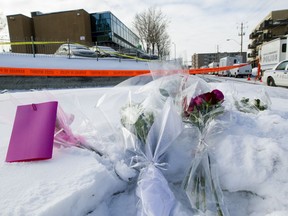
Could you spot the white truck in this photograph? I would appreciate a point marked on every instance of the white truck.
(213, 65)
(228, 61)
(241, 71)
(272, 52)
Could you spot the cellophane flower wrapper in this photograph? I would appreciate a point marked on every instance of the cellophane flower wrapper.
(248, 104)
(149, 122)
(155, 196)
(76, 130)
(72, 128)
(149, 127)
(201, 182)
(170, 79)
(147, 102)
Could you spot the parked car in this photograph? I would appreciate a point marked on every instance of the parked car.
(138, 53)
(278, 76)
(105, 51)
(75, 50)
(126, 52)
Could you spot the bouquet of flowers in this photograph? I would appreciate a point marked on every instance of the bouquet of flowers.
(253, 105)
(137, 120)
(151, 133)
(64, 136)
(201, 182)
(203, 108)
(250, 105)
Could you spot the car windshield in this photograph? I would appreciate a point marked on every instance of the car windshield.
(79, 48)
(74, 46)
(109, 49)
(282, 65)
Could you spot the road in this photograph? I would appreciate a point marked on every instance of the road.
(213, 78)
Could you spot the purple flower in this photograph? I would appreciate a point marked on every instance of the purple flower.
(204, 100)
(217, 96)
(198, 101)
(207, 97)
(195, 103)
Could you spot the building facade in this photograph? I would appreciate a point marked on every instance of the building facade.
(76, 26)
(20, 29)
(273, 26)
(204, 59)
(108, 30)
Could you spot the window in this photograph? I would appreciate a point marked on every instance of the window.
(284, 47)
(282, 66)
(106, 27)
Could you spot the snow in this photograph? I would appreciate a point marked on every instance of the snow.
(44, 61)
(250, 151)
(4, 34)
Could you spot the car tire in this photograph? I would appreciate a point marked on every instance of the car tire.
(270, 81)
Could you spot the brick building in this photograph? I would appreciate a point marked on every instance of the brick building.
(77, 26)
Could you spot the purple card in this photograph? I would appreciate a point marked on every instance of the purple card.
(33, 132)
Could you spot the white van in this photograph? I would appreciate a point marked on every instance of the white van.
(228, 61)
(241, 71)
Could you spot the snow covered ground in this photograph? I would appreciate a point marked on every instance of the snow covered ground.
(250, 153)
(53, 61)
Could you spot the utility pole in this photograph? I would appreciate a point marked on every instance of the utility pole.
(218, 54)
(241, 34)
(174, 49)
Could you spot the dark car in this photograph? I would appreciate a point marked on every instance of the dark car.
(105, 51)
(136, 53)
(75, 50)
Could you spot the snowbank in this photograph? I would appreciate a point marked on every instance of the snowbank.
(250, 152)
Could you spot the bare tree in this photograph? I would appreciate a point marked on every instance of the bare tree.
(151, 26)
(163, 46)
(2, 21)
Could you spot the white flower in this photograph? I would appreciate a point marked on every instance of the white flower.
(130, 114)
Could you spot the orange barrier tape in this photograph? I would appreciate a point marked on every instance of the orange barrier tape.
(69, 72)
(208, 70)
(94, 73)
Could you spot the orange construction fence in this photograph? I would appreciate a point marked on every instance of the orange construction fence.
(8, 71)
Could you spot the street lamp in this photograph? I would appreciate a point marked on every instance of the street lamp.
(174, 49)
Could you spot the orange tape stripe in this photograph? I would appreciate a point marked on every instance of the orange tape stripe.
(94, 73)
(69, 72)
(208, 70)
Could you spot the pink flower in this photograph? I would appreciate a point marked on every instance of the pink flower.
(63, 133)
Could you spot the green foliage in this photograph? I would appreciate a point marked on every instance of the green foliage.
(250, 106)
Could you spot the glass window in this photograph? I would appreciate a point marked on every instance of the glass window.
(105, 26)
(282, 66)
(284, 47)
(113, 25)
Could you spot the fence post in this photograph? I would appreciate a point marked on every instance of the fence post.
(33, 48)
(69, 54)
(96, 50)
(120, 53)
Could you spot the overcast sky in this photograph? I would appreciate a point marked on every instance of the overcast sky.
(195, 26)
